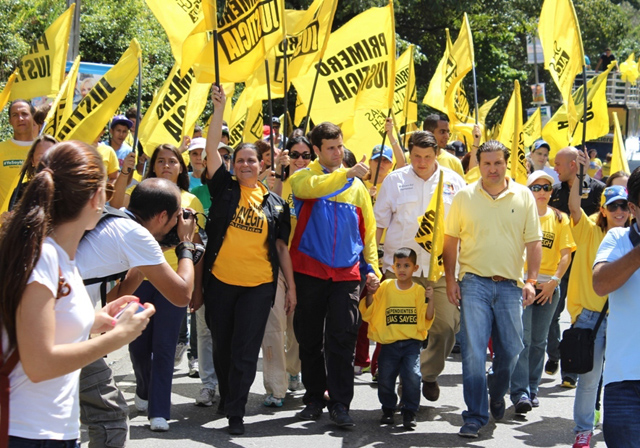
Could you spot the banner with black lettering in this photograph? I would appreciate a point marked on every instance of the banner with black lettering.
(430, 235)
(62, 105)
(173, 111)
(597, 116)
(357, 69)
(96, 109)
(41, 71)
(532, 129)
(405, 99)
(511, 136)
(247, 31)
(246, 119)
(459, 63)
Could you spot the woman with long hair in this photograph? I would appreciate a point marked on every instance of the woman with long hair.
(46, 312)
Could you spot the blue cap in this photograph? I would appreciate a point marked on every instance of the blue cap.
(121, 119)
(540, 143)
(386, 152)
(614, 193)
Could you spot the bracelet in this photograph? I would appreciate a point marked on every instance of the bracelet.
(127, 173)
(474, 146)
(533, 281)
(393, 143)
(555, 279)
(185, 250)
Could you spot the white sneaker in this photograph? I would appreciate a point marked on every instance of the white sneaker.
(206, 397)
(273, 402)
(294, 382)
(159, 424)
(181, 349)
(357, 370)
(194, 371)
(140, 404)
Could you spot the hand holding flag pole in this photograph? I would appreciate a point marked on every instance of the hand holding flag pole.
(384, 139)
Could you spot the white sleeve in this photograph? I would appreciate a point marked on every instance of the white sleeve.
(382, 209)
(47, 271)
(140, 248)
(610, 248)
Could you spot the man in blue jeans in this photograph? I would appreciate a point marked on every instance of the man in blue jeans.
(615, 272)
(494, 212)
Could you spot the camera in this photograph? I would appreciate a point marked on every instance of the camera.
(171, 238)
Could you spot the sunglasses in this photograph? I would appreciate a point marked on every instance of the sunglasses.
(622, 205)
(226, 157)
(536, 188)
(296, 155)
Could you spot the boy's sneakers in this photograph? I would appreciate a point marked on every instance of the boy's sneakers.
(294, 382)
(582, 440)
(181, 349)
(159, 424)
(568, 382)
(140, 404)
(273, 402)
(194, 371)
(340, 416)
(469, 431)
(312, 411)
(387, 417)
(409, 420)
(523, 405)
(206, 397)
(551, 367)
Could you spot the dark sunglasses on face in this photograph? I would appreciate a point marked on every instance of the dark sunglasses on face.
(622, 205)
(296, 155)
(536, 188)
(226, 157)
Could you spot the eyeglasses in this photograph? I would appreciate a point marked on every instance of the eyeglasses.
(226, 157)
(537, 187)
(622, 205)
(296, 155)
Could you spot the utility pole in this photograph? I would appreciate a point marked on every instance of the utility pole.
(74, 35)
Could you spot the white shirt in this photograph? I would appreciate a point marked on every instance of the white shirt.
(50, 409)
(402, 199)
(623, 331)
(115, 245)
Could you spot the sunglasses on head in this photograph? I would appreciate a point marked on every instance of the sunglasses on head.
(297, 155)
(537, 187)
(622, 205)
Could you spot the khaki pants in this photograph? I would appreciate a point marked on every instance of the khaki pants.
(280, 353)
(442, 335)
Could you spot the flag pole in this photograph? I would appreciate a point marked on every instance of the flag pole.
(384, 139)
(138, 106)
(286, 99)
(266, 68)
(313, 92)
(475, 90)
(584, 124)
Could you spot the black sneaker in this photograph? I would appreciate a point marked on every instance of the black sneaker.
(312, 411)
(409, 420)
(551, 367)
(523, 405)
(387, 417)
(568, 382)
(497, 408)
(340, 416)
(236, 426)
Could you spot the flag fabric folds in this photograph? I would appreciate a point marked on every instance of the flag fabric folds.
(41, 71)
(4, 95)
(512, 137)
(532, 129)
(430, 235)
(618, 153)
(246, 119)
(62, 105)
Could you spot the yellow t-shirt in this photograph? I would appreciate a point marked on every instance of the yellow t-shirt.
(472, 175)
(287, 195)
(556, 236)
(450, 161)
(493, 233)
(243, 259)
(580, 293)
(12, 156)
(395, 314)
(109, 158)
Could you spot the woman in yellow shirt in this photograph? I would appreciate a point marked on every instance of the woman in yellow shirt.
(583, 303)
(557, 245)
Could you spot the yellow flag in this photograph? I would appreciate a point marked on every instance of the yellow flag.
(4, 95)
(460, 63)
(41, 71)
(229, 88)
(597, 116)
(463, 130)
(618, 154)
(62, 105)
(405, 102)
(562, 47)
(96, 109)
(511, 136)
(246, 119)
(532, 129)
(357, 70)
(173, 111)
(430, 234)
(364, 131)
(247, 31)
(439, 82)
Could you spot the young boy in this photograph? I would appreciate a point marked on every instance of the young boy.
(399, 315)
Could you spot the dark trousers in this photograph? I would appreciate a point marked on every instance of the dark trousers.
(152, 353)
(189, 335)
(326, 324)
(19, 442)
(237, 317)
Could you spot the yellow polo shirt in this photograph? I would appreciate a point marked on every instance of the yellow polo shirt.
(450, 161)
(493, 233)
(12, 156)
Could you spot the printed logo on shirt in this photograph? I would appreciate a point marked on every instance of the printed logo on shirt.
(248, 219)
(404, 187)
(547, 239)
(401, 315)
(12, 162)
(448, 188)
(292, 207)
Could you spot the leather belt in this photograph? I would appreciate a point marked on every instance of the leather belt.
(498, 278)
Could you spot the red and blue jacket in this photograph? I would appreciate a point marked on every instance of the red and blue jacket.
(335, 235)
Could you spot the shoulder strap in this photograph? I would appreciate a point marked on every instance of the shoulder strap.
(603, 313)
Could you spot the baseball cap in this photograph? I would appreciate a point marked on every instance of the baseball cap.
(225, 131)
(275, 120)
(386, 152)
(540, 143)
(458, 148)
(120, 119)
(197, 143)
(614, 193)
(539, 175)
(220, 145)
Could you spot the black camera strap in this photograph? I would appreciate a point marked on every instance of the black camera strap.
(634, 235)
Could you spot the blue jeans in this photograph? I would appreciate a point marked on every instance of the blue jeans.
(587, 389)
(488, 309)
(535, 320)
(19, 442)
(401, 357)
(622, 414)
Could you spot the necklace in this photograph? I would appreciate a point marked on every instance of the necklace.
(495, 196)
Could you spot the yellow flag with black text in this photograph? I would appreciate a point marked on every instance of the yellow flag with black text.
(357, 70)
(618, 153)
(532, 129)
(41, 71)
(62, 105)
(561, 41)
(405, 99)
(511, 136)
(4, 95)
(430, 234)
(246, 119)
(459, 63)
(95, 110)
(439, 82)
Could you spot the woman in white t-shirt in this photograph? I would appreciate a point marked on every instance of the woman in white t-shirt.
(45, 311)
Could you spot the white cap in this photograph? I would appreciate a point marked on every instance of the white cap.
(539, 175)
(198, 143)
